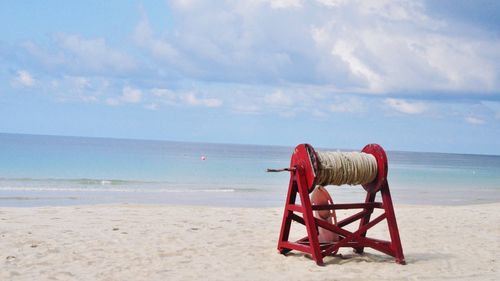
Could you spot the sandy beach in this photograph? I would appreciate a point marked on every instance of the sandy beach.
(146, 242)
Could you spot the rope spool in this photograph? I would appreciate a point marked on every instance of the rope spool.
(338, 168)
(367, 168)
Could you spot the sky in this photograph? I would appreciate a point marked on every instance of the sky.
(410, 75)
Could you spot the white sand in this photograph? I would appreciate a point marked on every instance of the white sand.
(200, 243)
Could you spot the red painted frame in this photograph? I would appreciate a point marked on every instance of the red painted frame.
(303, 169)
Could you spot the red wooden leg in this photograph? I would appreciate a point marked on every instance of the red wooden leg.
(310, 223)
(393, 226)
(370, 198)
(287, 221)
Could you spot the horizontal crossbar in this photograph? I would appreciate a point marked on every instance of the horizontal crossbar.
(296, 246)
(373, 205)
(295, 208)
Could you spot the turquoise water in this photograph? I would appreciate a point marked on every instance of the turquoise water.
(48, 170)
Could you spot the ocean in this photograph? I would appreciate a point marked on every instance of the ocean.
(52, 170)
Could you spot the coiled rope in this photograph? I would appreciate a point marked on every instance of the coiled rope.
(353, 168)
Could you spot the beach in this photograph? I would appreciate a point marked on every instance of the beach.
(168, 242)
(164, 140)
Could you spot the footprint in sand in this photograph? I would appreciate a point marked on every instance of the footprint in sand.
(10, 258)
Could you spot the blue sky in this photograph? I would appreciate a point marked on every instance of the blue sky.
(409, 75)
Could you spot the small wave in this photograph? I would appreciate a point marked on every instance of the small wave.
(128, 190)
(83, 181)
(103, 181)
(26, 198)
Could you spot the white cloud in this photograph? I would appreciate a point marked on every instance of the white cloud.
(350, 105)
(278, 98)
(186, 4)
(94, 53)
(226, 42)
(397, 46)
(24, 78)
(113, 101)
(332, 3)
(331, 47)
(165, 96)
(144, 37)
(407, 107)
(284, 4)
(247, 108)
(352, 46)
(356, 66)
(164, 93)
(151, 106)
(73, 53)
(81, 82)
(129, 95)
(191, 99)
(77, 88)
(474, 120)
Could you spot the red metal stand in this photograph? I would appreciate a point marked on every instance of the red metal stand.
(303, 169)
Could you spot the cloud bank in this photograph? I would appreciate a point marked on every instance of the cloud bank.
(347, 46)
(277, 56)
